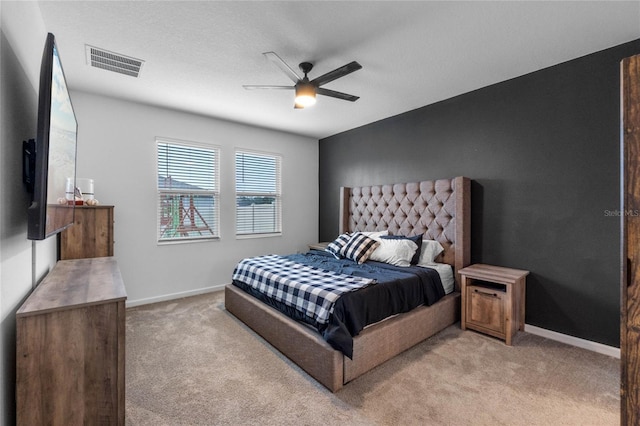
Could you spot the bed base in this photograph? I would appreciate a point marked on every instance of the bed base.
(373, 346)
(438, 209)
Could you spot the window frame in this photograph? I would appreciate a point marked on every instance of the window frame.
(277, 194)
(214, 193)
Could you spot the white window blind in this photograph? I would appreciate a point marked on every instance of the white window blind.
(258, 193)
(188, 191)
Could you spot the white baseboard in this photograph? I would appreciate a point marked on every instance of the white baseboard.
(180, 295)
(573, 341)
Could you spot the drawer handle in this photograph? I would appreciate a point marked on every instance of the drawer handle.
(488, 294)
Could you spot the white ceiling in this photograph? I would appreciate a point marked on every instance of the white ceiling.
(199, 54)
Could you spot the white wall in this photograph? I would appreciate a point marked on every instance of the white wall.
(22, 263)
(116, 148)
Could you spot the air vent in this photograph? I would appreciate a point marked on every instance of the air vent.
(115, 62)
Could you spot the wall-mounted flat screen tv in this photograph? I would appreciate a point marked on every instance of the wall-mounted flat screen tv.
(53, 173)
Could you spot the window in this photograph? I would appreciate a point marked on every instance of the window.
(258, 194)
(188, 194)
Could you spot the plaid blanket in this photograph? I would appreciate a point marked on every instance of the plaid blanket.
(311, 290)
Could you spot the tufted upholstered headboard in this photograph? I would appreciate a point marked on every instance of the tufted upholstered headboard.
(439, 209)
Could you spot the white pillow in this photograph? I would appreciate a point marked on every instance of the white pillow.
(430, 250)
(394, 252)
(376, 234)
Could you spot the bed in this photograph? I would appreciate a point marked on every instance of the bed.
(438, 209)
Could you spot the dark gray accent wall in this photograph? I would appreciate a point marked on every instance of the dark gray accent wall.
(543, 153)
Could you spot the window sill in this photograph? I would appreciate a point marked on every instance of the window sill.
(186, 241)
(252, 236)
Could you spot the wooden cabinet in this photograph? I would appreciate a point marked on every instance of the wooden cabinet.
(91, 234)
(493, 300)
(70, 347)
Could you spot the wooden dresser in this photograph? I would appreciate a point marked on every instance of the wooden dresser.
(70, 346)
(91, 234)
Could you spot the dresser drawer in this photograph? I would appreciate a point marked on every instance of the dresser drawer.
(486, 309)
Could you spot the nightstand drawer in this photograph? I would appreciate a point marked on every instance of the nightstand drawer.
(485, 308)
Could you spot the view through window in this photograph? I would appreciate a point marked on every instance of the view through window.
(188, 191)
(258, 193)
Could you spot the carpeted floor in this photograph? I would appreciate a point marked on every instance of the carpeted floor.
(190, 362)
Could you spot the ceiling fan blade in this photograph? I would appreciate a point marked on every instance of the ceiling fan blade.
(260, 86)
(337, 73)
(339, 95)
(283, 66)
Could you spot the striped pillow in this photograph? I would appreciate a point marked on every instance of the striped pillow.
(336, 245)
(359, 247)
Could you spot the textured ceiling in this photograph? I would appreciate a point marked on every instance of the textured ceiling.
(199, 54)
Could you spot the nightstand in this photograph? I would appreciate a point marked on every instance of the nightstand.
(318, 246)
(493, 300)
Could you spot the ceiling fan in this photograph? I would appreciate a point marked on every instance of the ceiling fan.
(306, 90)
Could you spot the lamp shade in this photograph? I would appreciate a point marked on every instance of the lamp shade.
(305, 94)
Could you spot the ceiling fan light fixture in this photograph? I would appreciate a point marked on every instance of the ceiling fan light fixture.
(305, 94)
(307, 90)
